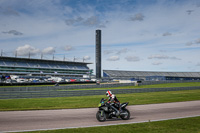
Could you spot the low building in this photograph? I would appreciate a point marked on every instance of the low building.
(150, 75)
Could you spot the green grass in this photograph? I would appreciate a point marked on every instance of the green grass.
(189, 84)
(185, 125)
(124, 87)
(92, 101)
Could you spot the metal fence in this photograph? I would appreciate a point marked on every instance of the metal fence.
(167, 81)
(85, 86)
(43, 94)
(66, 91)
(67, 87)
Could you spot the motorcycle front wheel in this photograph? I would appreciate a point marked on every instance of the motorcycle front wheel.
(101, 116)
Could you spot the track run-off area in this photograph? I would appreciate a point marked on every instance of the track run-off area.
(18, 121)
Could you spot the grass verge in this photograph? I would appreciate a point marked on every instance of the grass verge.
(189, 84)
(92, 101)
(185, 125)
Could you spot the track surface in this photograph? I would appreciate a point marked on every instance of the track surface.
(70, 118)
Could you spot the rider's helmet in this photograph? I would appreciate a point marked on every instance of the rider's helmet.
(108, 93)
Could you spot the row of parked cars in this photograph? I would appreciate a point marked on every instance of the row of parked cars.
(18, 79)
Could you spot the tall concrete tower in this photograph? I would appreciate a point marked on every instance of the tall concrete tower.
(98, 54)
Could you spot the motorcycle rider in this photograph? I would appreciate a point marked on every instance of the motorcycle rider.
(113, 98)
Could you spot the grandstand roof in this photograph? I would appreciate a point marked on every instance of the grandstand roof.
(127, 74)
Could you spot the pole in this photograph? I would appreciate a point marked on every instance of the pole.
(98, 56)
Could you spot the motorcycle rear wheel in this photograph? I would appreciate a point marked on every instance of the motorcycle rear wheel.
(100, 117)
(125, 115)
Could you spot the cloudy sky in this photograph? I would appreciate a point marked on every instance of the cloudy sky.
(137, 35)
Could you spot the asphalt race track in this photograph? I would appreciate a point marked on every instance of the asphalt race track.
(72, 118)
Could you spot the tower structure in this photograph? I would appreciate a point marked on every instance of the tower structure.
(98, 55)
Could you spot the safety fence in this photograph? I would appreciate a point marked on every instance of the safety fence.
(84, 86)
(167, 81)
(69, 93)
(66, 87)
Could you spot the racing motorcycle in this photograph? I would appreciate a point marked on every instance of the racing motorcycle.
(106, 111)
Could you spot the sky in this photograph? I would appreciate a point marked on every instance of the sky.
(137, 35)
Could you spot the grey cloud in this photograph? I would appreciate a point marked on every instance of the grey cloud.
(174, 58)
(68, 48)
(189, 11)
(124, 50)
(117, 52)
(49, 50)
(113, 58)
(8, 11)
(101, 26)
(73, 21)
(106, 52)
(158, 57)
(137, 17)
(163, 57)
(198, 41)
(163, 51)
(132, 58)
(86, 57)
(92, 21)
(156, 63)
(13, 32)
(27, 50)
(189, 44)
(198, 64)
(167, 34)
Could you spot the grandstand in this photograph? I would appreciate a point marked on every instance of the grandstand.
(42, 67)
(150, 75)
